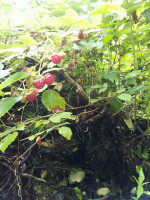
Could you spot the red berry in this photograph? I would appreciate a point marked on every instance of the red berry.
(31, 97)
(80, 35)
(39, 84)
(121, 55)
(56, 58)
(49, 79)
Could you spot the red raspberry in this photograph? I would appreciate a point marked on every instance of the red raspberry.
(49, 79)
(56, 58)
(39, 84)
(31, 97)
(80, 35)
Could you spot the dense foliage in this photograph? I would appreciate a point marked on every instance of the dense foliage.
(104, 47)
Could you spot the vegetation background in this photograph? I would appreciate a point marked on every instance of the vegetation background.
(74, 99)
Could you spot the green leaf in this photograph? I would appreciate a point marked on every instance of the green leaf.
(110, 76)
(124, 97)
(69, 18)
(148, 109)
(140, 191)
(51, 98)
(66, 132)
(103, 88)
(133, 74)
(7, 103)
(21, 127)
(116, 104)
(13, 78)
(39, 123)
(7, 141)
(27, 40)
(138, 168)
(121, 90)
(56, 118)
(7, 132)
(106, 8)
(147, 193)
(136, 89)
(132, 81)
(146, 14)
(129, 124)
(78, 193)
(145, 155)
(141, 176)
(107, 39)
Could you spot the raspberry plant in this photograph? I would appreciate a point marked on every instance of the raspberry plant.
(108, 59)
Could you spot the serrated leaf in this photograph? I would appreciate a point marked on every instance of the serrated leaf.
(51, 99)
(125, 97)
(66, 132)
(136, 89)
(133, 74)
(13, 78)
(7, 141)
(7, 103)
(110, 76)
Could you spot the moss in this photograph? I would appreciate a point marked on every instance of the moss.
(42, 192)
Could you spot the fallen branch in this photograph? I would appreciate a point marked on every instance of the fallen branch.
(78, 88)
(33, 177)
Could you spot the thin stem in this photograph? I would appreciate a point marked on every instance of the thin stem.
(134, 59)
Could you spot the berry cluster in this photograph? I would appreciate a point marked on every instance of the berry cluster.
(48, 79)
